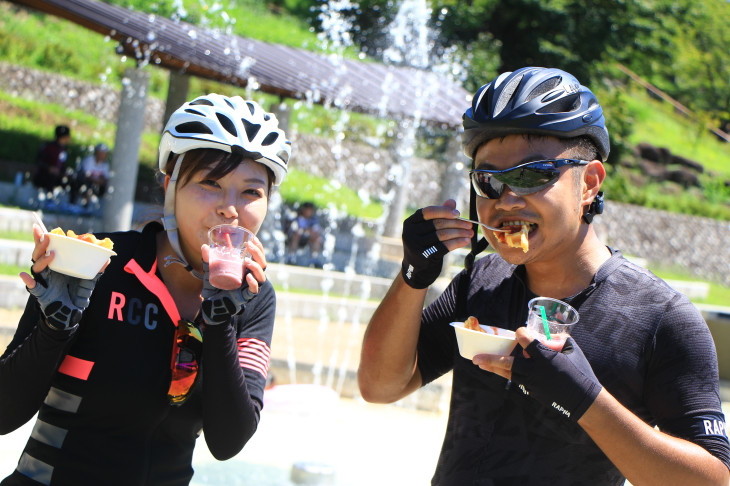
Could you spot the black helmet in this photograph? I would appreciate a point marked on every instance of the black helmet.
(534, 100)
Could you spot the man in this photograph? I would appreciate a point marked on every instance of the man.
(641, 355)
(94, 173)
(305, 230)
(51, 160)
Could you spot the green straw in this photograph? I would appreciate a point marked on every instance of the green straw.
(545, 323)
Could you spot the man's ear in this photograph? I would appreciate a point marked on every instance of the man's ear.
(593, 177)
(592, 196)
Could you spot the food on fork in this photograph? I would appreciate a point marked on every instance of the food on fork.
(87, 237)
(517, 239)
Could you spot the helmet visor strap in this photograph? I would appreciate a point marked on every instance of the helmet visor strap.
(523, 179)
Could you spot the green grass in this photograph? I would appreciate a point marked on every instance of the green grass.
(11, 270)
(25, 124)
(718, 294)
(657, 123)
(301, 186)
(16, 235)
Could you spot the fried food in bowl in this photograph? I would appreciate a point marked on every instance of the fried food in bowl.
(482, 339)
(81, 256)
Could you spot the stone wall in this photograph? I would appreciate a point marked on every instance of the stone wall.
(100, 101)
(698, 245)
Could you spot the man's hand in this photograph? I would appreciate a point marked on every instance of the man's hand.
(428, 235)
(564, 381)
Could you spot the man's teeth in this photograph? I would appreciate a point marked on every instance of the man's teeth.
(516, 223)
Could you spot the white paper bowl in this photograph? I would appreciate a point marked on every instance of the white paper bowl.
(75, 257)
(472, 343)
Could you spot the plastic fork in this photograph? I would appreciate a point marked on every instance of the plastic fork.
(484, 225)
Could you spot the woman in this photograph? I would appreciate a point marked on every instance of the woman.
(119, 378)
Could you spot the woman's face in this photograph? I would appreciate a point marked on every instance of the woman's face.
(240, 197)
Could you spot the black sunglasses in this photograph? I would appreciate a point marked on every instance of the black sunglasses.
(187, 349)
(522, 180)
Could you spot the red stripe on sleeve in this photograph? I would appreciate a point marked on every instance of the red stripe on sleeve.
(76, 367)
(254, 355)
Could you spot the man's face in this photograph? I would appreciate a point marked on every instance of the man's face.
(554, 213)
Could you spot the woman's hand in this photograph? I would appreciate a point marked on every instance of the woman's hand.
(255, 266)
(40, 258)
(220, 305)
(63, 299)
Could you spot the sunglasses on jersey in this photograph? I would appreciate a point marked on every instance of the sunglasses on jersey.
(187, 349)
(522, 180)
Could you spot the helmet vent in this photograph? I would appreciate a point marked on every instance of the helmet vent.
(270, 139)
(544, 87)
(564, 105)
(506, 94)
(193, 112)
(251, 128)
(201, 101)
(251, 108)
(283, 155)
(227, 124)
(193, 127)
(228, 102)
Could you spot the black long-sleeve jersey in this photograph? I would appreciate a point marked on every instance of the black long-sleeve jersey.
(101, 392)
(647, 344)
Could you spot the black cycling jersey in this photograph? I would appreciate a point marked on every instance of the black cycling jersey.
(101, 393)
(647, 344)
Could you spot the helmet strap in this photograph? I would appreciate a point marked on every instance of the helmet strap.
(169, 222)
(477, 245)
(462, 289)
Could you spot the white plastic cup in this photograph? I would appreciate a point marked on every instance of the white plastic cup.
(227, 251)
(560, 318)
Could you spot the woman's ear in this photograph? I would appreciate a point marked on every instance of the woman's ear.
(167, 181)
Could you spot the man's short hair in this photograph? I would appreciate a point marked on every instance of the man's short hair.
(582, 148)
(62, 131)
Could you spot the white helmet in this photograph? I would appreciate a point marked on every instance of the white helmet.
(233, 125)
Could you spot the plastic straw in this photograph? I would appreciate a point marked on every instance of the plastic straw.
(40, 223)
(228, 241)
(545, 323)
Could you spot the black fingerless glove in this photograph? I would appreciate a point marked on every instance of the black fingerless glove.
(63, 299)
(220, 305)
(423, 252)
(564, 381)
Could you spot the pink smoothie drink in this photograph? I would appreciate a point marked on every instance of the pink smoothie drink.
(226, 269)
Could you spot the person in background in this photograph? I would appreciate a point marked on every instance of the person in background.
(127, 370)
(305, 230)
(634, 393)
(51, 160)
(93, 175)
